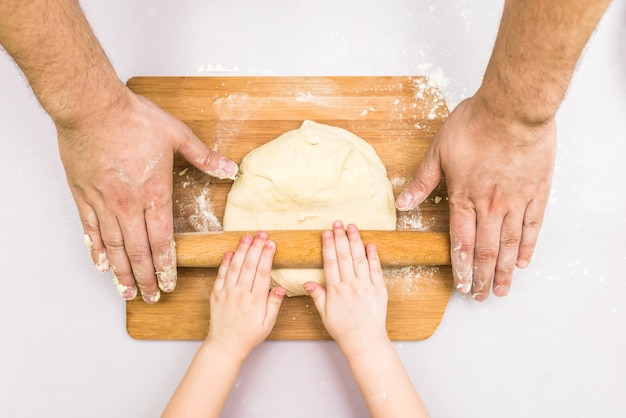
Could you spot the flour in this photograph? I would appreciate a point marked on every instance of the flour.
(204, 220)
(410, 220)
(408, 280)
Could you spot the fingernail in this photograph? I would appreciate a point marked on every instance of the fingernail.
(405, 200)
(153, 298)
(130, 293)
(226, 169)
(126, 292)
(501, 290)
(479, 297)
(522, 264)
(464, 288)
(280, 292)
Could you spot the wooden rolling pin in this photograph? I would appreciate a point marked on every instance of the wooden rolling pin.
(303, 249)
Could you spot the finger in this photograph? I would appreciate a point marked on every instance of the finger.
(92, 237)
(274, 301)
(251, 261)
(533, 218)
(375, 269)
(462, 239)
(137, 247)
(318, 294)
(263, 276)
(160, 228)
(236, 264)
(201, 156)
(507, 254)
(359, 260)
(329, 255)
(221, 272)
(426, 178)
(342, 246)
(113, 241)
(488, 231)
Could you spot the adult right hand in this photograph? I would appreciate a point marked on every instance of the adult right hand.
(498, 172)
(119, 164)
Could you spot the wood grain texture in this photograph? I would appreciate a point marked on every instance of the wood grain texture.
(398, 116)
(303, 249)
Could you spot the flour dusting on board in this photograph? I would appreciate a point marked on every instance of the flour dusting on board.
(196, 213)
(204, 220)
(408, 280)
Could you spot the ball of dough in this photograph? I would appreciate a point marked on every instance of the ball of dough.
(305, 179)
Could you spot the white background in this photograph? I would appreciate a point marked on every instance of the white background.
(555, 347)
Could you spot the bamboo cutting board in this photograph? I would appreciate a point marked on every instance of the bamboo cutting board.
(398, 116)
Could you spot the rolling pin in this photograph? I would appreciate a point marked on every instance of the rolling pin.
(303, 248)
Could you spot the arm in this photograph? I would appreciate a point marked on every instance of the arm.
(117, 148)
(497, 148)
(242, 316)
(354, 309)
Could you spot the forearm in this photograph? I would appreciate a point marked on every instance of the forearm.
(206, 385)
(53, 44)
(538, 45)
(384, 384)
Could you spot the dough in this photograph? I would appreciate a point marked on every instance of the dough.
(306, 179)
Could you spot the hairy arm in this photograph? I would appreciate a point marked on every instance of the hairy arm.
(497, 148)
(53, 44)
(117, 148)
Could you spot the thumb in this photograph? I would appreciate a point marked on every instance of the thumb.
(274, 301)
(318, 294)
(202, 157)
(423, 183)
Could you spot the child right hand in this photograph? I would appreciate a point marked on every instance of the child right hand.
(353, 306)
(243, 309)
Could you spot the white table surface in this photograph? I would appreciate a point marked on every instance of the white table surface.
(555, 347)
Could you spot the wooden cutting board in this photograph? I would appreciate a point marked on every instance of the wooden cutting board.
(398, 116)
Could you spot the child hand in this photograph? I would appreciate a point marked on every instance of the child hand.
(243, 310)
(354, 305)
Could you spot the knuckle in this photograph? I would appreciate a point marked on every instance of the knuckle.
(138, 256)
(418, 184)
(485, 255)
(510, 241)
(532, 223)
(249, 265)
(91, 226)
(504, 272)
(162, 248)
(159, 195)
(330, 263)
(343, 257)
(234, 269)
(206, 158)
(113, 243)
(264, 272)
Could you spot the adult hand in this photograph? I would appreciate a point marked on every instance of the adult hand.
(353, 307)
(118, 164)
(498, 172)
(243, 310)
